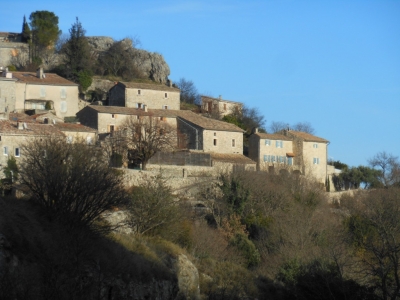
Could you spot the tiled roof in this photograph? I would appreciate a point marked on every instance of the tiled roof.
(50, 79)
(149, 86)
(32, 129)
(207, 123)
(274, 136)
(231, 158)
(308, 137)
(73, 127)
(207, 98)
(203, 122)
(122, 110)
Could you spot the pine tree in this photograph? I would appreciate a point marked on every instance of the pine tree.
(77, 52)
(26, 31)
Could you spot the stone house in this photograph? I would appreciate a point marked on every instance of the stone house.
(290, 150)
(209, 135)
(29, 91)
(219, 106)
(77, 132)
(107, 119)
(13, 135)
(135, 95)
(7, 93)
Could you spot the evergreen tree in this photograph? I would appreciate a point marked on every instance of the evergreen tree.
(45, 31)
(26, 31)
(77, 53)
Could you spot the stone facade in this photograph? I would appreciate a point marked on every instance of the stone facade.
(272, 152)
(110, 118)
(220, 106)
(39, 91)
(7, 96)
(135, 95)
(292, 151)
(222, 141)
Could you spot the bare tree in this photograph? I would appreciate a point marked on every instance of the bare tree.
(70, 180)
(374, 231)
(304, 127)
(147, 136)
(277, 126)
(389, 167)
(189, 92)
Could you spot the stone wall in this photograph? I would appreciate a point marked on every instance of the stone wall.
(154, 99)
(13, 54)
(7, 97)
(222, 141)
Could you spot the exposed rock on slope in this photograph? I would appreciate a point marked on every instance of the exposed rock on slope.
(151, 64)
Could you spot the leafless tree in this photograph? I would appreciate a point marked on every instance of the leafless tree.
(277, 126)
(389, 167)
(147, 136)
(304, 127)
(70, 180)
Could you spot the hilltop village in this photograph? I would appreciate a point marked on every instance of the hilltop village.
(117, 183)
(40, 103)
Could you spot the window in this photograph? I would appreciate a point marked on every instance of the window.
(138, 105)
(112, 116)
(17, 152)
(112, 128)
(215, 142)
(166, 95)
(279, 144)
(215, 134)
(42, 92)
(165, 106)
(69, 139)
(267, 158)
(233, 143)
(281, 159)
(290, 161)
(63, 106)
(5, 150)
(272, 158)
(316, 160)
(139, 92)
(63, 93)
(315, 145)
(267, 142)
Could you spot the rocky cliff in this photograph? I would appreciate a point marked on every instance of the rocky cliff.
(151, 64)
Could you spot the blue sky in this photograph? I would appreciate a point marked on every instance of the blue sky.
(335, 64)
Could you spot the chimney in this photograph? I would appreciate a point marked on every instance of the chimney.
(20, 125)
(145, 107)
(170, 82)
(255, 130)
(39, 73)
(220, 97)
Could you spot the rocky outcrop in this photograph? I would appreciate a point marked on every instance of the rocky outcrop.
(100, 43)
(188, 278)
(151, 64)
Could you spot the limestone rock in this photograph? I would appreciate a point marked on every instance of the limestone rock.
(100, 43)
(188, 278)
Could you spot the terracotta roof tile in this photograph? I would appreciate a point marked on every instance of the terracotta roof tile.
(32, 129)
(73, 127)
(207, 98)
(207, 123)
(273, 136)
(308, 137)
(50, 79)
(149, 86)
(231, 158)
